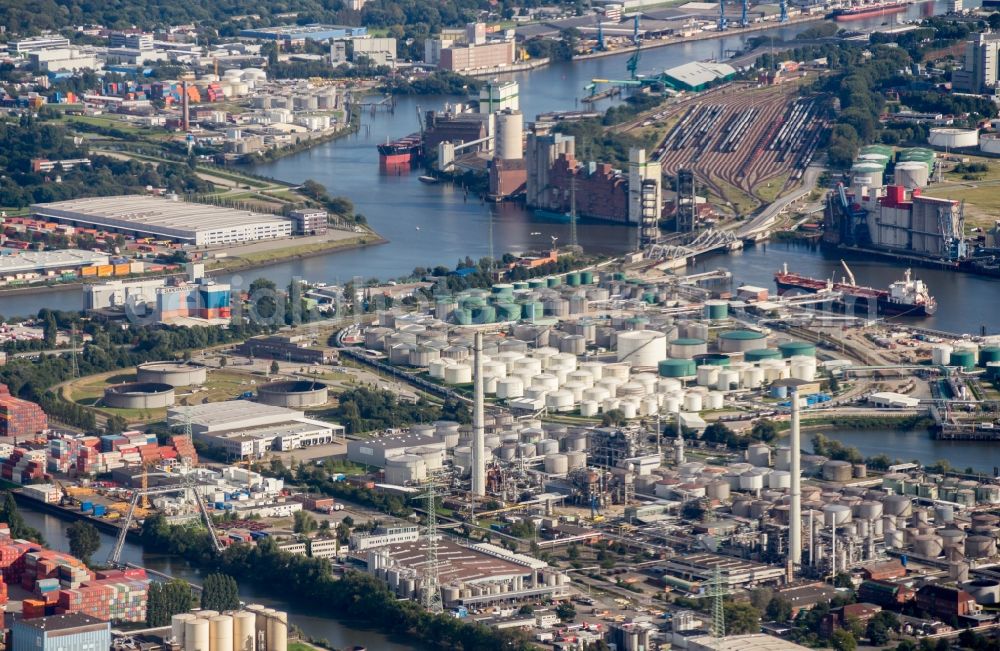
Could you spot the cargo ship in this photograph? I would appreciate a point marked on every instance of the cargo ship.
(859, 12)
(403, 151)
(907, 297)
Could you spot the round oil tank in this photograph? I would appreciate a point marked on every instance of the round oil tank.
(687, 348)
(741, 341)
(221, 633)
(510, 135)
(676, 368)
(869, 510)
(964, 359)
(837, 471)
(293, 394)
(759, 354)
(912, 175)
(836, 514)
(458, 374)
(713, 400)
(718, 490)
(952, 537)
(206, 614)
(708, 375)
(988, 355)
(728, 381)
(560, 401)
(716, 310)
(509, 388)
(984, 591)
(779, 479)
(576, 459)
(980, 547)
(866, 173)
(927, 545)
(949, 138)
(941, 354)
(693, 402)
(196, 635)
(177, 624)
(176, 374)
(641, 348)
(556, 464)
(990, 143)
(793, 348)
(759, 454)
(139, 395)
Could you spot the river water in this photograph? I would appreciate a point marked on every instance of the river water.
(429, 225)
(317, 624)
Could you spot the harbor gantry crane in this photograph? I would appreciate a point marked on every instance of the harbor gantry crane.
(633, 61)
(783, 17)
(744, 17)
(722, 16)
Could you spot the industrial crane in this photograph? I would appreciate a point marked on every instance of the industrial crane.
(783, 18)
(633, 61)
(722, 16)
(744, 18)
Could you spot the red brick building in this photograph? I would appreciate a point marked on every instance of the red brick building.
(601, 193)
(945, 602)
(885, 593)
(19, 418)
(884, 570)
(508, 178)
(843, 616)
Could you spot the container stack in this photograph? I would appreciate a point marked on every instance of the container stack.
(23, 466)
(114, 596)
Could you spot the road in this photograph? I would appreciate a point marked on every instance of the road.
(765, 220)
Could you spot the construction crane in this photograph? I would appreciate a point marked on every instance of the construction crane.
(633, 61)
(850, 274)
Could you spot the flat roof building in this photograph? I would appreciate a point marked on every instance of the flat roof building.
(68, 632)
(312, 32)
(698, 75)
(167, 218)
(15, 264)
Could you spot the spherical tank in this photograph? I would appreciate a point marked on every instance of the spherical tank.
(642, 348)
(177, 626)
(196, 635)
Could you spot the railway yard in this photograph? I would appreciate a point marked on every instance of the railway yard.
(745, 143)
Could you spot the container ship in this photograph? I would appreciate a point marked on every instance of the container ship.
(403, 151)
(868, 11)
(907, 297)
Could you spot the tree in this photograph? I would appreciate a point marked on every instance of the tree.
(572, 552)
(613, 417)
(779, 610)
(275, 367)
(843, 640)
(50, 329)
(741, 618)
(166, 600)
(877, 633)
(304, 523)
(220, 593)
(223, 361)
(84, 540)
(843, 580)
(764, 430)
(566, 611)
(12, 516)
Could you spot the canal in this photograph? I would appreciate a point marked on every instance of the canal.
(316, 624)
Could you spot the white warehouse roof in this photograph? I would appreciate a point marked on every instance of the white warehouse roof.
(16, 262)
(698, 73)
(890, 399)
(178, 220)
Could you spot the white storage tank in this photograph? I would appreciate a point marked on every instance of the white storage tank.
(836, 514)
(589, 408)
(277, 631)
(560, 401)
(196, 635)
(641, 348)
(510, 387)
(693, 402)
(941, 354)
(713, 400)
(708, 375)
(177, 627)
(779, 479)
(912, 174)
(221, 633)
(950, 138)
(596, 369)
(728, 380)
(556, 464)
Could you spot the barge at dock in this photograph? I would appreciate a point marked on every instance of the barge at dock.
(907, 297)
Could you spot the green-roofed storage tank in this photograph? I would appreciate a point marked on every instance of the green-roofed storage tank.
(553, 281)
(573, 279)
(508, 311)
(760, 354)
(989, 354)
(963, 358)
(676, 368)
(793, 348)
(716, 310)
(687, 348)
(711, 359)
(586, 277)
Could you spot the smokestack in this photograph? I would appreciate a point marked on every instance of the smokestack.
(795, 513)
(185, 111)
(478, 433)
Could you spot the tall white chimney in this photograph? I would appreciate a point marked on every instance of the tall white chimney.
(478, 431)
(795, 512)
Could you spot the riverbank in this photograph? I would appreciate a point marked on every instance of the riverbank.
(524, 66)
(702, 36)
(256, 260)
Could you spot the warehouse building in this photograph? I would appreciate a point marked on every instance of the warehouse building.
(67, 632)
(301, 33)
(289, 348)
(27, 265)
(375, 452)
(243, 429)
(699, 75)
(166, 218)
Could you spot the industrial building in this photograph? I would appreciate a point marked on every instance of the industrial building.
(698, 75)
(291, 348)
(302, 33)
(175, 301)
(309, 221)
(380, 51)
(25, 266)
(20, 419)
(166, 218)
(242, 429)
(475, 575)
(68, 632)
(979, 71)
(471, 57)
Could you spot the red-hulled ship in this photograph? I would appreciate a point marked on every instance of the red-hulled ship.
(868, 11)
(908, 297)
(403, 151)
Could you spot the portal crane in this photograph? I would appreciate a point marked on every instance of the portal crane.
(744, 18)
(722, 16)
(783, 18)
(850, 274)
(633, 61)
